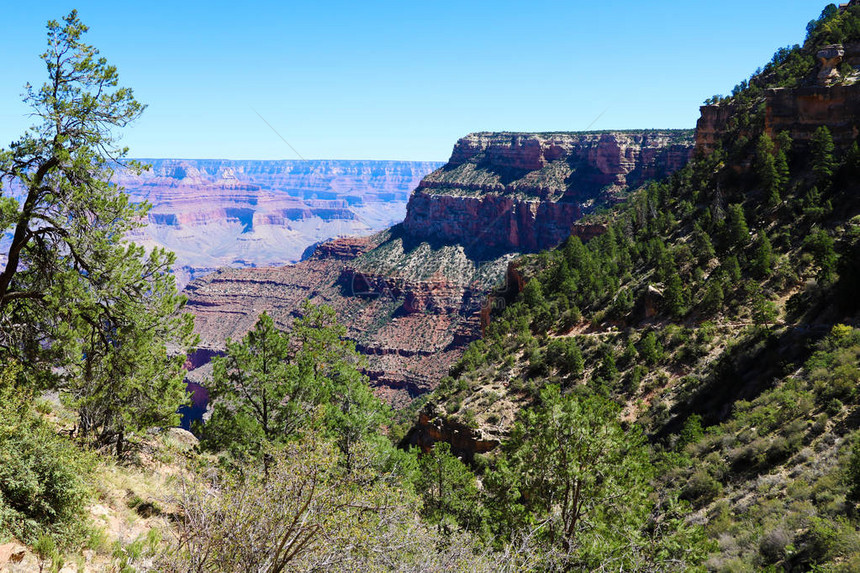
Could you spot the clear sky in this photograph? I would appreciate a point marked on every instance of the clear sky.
(400, 80)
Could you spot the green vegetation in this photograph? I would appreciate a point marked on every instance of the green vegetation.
(272, 386)
(450, 491)
(84, 312)
(308, 512)
(799, 517)
(702, 311)
(571, 467)
(43, 491)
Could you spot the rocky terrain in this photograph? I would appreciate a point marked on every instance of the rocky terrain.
(411, 297)
(410, 331)
(219, 213)
(823, 97)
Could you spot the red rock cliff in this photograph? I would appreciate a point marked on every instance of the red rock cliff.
(798, 111)
(803, 110)
(522, 191)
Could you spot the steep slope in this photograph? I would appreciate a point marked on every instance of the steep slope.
(217, 213)
(719, 310)
(411, 297)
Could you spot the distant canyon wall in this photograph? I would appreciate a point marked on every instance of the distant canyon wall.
(221, 213)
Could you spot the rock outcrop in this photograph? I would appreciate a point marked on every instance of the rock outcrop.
(412, 297)
(218, 213)
(521, 192)
(799, 111)
(803, 110)
(433, 425)
(711, 126)
(825, 98)
(829, 58)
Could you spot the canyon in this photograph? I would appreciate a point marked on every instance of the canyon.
(798, 111)
(411, 297)
(223, 213)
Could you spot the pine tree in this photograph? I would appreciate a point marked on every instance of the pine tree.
(814, 205)
(766, 169)
(533, 294)
(823, 249)
(783, 175)
(271, 385)
(650, 349)
(85, 309)
(712, 302)
(571, 466)
(566, 355)
(256, 388)
(783, 143)
(675, 296)
(732, 268)
(737, 228)
(692, 431)
(762, 263)
(702, 246)
(852, 160)
(450, 491)
(823, 163)
(764, 311)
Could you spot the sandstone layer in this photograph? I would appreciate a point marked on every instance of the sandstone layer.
(521, 192)
(410, 330)
(799, 111)
(217, 213)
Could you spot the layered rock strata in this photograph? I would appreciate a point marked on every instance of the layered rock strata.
(803, 110)
(522, 192)
(217, 213)
(799, 111)
(410, 330)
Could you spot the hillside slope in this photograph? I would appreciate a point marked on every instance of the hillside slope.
(719, 310)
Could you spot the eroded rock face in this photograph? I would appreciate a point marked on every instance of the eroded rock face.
(410, 330)
(522, 192)
(803, 110)
(218, 213)
(829, 58)
(492, 221)
(434, 426)
(711, 126)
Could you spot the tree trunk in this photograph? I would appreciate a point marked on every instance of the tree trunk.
(22, 228)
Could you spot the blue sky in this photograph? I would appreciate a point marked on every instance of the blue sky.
(400, 80)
